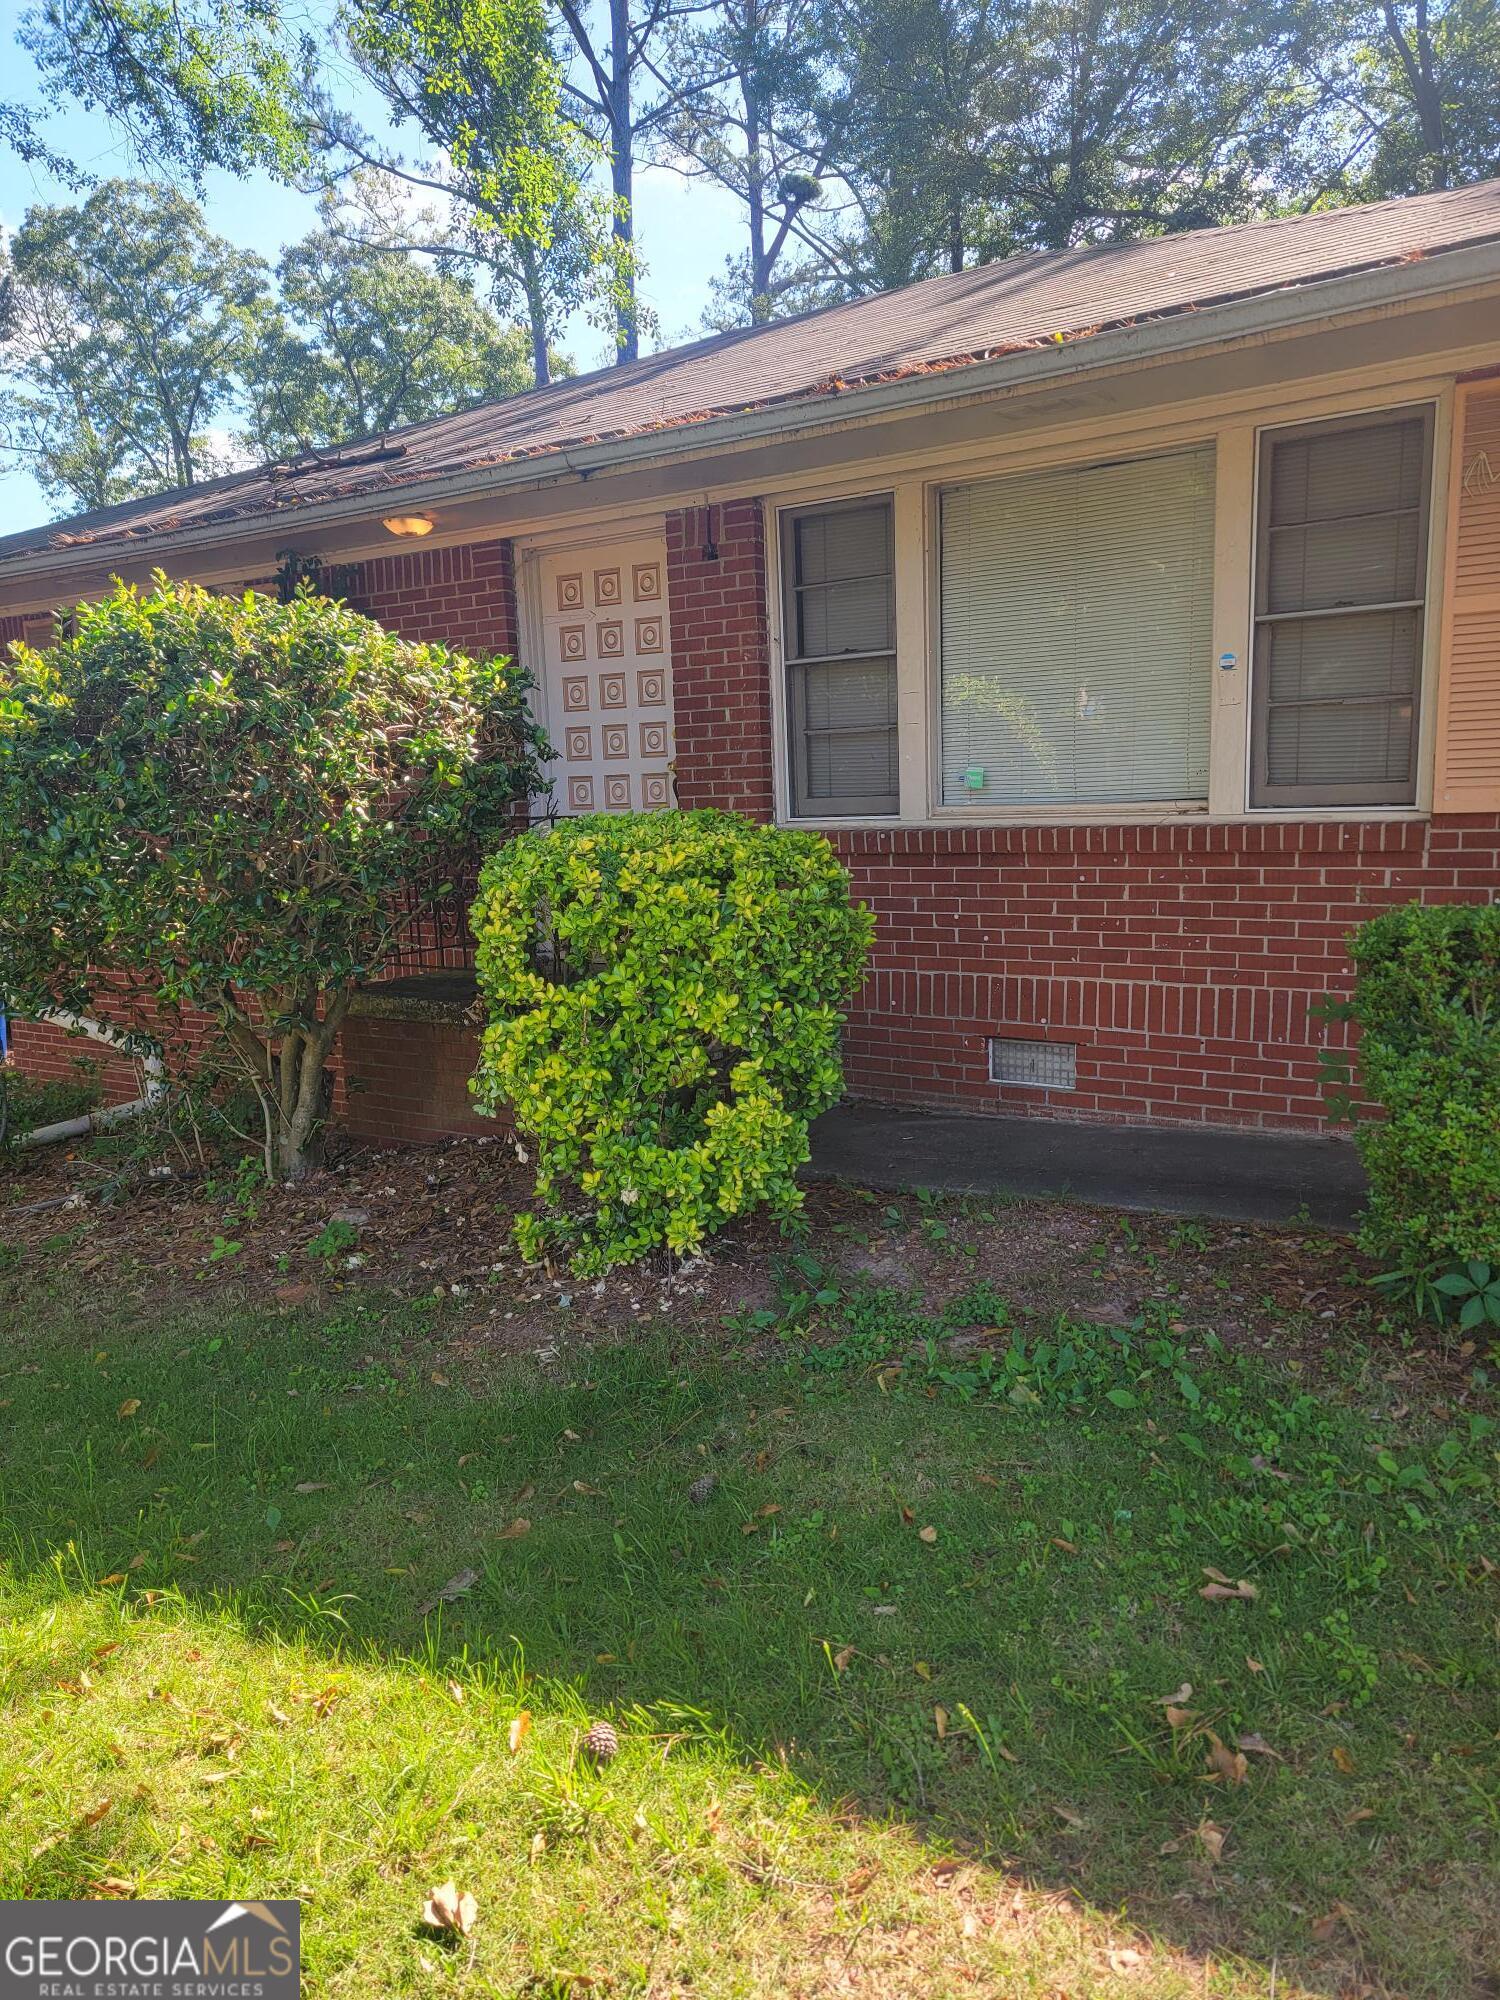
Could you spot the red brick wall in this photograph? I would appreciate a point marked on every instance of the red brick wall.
(408, 1081)
(52, 1055)
(1179, 960)
(721, 690)
(464, 596)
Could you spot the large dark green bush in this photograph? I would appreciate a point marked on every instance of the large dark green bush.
(1427, 1000)
(241, 809)
(664, 994)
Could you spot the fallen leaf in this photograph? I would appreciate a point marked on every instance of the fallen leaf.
(1219, 1591)
(1342, 1758)
(453, 1588)
(1068, 1548)
(1257, 1745)
(1324, 1927)
(538, 1846)
(1230, 1765)
(95, 1813)
(112, 1887)
(311, 1486)
(921, 1669)
(1181, 1718)
(859, 1881)
(1359, 1813)
(940, 1721)
(520, 1526)
(842, 1658)
(129, 1407)
(115, 1576)
(1067, 1813)
(446, 1909)
(946, 1869)
(520, 1729)
(1212, 1838)
(1184, 1693)
(1254, 1665)
(928, 1535)
(1125, 1960)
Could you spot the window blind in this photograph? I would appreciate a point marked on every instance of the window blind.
(1076, 634)
(1340, 584)
(839, 627)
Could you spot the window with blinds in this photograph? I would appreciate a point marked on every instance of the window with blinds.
(1076, 632)
(1340, 589)
(839, 628)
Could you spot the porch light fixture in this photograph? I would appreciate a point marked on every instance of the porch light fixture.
(408, 524)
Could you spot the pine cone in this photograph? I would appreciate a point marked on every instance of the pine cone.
(702, 1489)
(601, 1742)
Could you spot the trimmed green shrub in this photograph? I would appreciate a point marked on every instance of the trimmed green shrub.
(1427, 1000)
(663, 993)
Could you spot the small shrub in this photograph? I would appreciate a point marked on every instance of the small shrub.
(1427, 1000)
(664, 993)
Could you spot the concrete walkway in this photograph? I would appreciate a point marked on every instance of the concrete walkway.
(1181, 1170)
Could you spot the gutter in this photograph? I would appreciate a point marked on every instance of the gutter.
(1413, 278)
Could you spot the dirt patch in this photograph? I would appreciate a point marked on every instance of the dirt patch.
(422, 1220)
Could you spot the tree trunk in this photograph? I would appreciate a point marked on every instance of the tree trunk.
(304, 1088)
(622, 174)
(536, 315)
(755, 196)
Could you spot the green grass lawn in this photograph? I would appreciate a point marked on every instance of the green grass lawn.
(926, 1697)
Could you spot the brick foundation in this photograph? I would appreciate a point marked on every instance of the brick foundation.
(408, 1082)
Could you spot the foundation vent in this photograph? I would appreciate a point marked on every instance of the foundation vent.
(1041, 1065)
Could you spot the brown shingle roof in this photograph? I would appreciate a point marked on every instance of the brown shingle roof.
(943, 323)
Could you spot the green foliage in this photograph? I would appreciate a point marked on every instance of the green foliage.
(124, 324)
(664, 994)
(1427, 1000)
(365, 338)
(220, 798)
(191, 85)
(481, 85)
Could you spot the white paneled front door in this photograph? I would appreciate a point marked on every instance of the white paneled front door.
(606, 674)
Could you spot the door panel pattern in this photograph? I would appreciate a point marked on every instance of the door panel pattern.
(607, 676)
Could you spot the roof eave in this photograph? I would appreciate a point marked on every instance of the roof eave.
(1287, 308)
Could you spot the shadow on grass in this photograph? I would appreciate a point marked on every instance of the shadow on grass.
(974, 1620)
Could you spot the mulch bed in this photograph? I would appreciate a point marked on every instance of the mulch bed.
(437, 1219)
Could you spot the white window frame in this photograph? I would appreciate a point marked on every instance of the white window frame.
(1236, 440)
(785, 530)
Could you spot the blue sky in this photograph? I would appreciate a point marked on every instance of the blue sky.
(685, 230)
